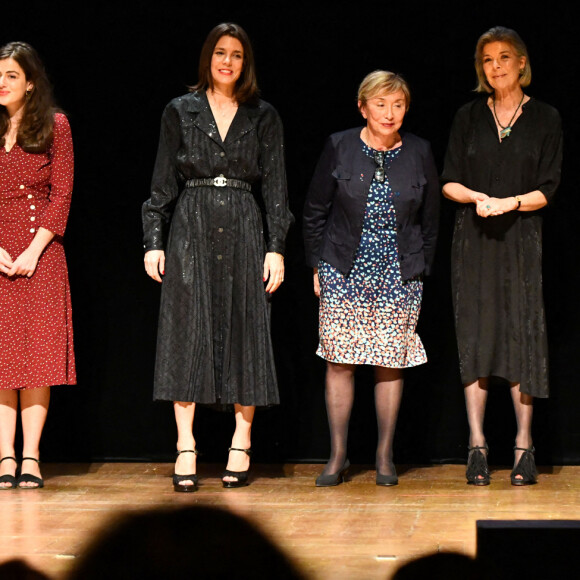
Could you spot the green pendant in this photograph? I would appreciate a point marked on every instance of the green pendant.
(505, 132)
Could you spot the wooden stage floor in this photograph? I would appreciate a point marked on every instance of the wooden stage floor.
(356, 530)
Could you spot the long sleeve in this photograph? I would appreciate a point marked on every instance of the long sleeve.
(318, 205)
(274, 186)
(165, 184)
(54, 217)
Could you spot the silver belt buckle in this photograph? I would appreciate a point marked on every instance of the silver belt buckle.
(220, 181)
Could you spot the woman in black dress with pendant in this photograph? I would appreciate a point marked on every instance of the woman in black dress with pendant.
(502, 165)
(220, 148)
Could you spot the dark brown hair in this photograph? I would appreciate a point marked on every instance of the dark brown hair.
(511, 37)
(35, 131)
(246, 90)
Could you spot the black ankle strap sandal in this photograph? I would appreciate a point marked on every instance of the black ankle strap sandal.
(526, 468)
(177, 479)
(477, 472)
(29, 478)
(241, 476)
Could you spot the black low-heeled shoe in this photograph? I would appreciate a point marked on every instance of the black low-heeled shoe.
(526, 468)
(11, 479)
(177, 479)
(241, 476)
(477, 472)
(332, 479)
(388, 480)
(29, 478)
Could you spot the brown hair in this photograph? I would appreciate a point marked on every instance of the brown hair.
(35, 131)
(501, 34)
(247, 85)
(383, 81)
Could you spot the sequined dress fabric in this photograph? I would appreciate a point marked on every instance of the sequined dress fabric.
(497, 261)
(213, 343)
(36, 332)
(370, 315)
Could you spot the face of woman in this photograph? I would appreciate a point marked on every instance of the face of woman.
(384, 113)
(502, 66)
(227, 62)
(13, 85)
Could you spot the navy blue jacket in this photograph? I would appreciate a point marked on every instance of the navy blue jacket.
(336, 201)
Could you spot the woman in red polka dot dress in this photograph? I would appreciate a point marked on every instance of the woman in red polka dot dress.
(36, 176)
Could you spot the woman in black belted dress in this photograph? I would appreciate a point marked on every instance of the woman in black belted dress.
(220, 158)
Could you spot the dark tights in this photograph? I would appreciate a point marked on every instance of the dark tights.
(339, 401)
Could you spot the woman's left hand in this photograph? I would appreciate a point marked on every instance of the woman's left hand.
(493, 206)
(25, 264)
(273, 271)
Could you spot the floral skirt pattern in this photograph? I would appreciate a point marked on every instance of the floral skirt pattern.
(370, 315)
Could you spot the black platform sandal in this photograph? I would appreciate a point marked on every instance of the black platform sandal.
(242, 476)
(29, 478)
(477, 472)
(11, 479)
(177, 479)
(526, 468)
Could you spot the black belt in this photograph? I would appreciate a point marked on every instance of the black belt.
(219, 181)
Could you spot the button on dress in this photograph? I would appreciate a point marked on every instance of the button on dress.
(36, 334)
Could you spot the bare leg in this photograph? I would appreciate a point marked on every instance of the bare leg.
(8, 415)
(339, 401)
(524, 408)
(242, 439)
(388, 394)
(33, 408)
(186, 462)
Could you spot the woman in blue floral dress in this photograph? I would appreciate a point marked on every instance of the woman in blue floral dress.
(370, 226)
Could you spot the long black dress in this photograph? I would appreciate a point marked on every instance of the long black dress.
(497, 261)
(213, 342)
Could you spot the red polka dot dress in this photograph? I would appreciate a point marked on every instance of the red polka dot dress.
(36, 338)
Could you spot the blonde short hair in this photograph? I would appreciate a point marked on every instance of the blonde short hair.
(500, 34)
(383, 81)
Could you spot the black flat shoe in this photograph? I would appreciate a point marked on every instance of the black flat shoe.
(333, 479)
(29, 478)
(526, 468)
(477, 472)
(241, 476)
(388, 480)
(11, 479)
(177, 479)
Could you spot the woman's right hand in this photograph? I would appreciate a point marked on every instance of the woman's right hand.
(477, 196)
(316, 283)
(5, 261)
(155, 264)
(458, 192)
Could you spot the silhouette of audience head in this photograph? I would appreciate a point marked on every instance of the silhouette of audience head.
(17, 569)
(188, 542)
(440, 566)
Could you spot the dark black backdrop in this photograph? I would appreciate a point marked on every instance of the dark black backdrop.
(116, 65)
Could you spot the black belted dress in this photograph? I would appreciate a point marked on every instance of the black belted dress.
(213, 342)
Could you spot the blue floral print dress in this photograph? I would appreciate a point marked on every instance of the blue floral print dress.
(370, 315)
